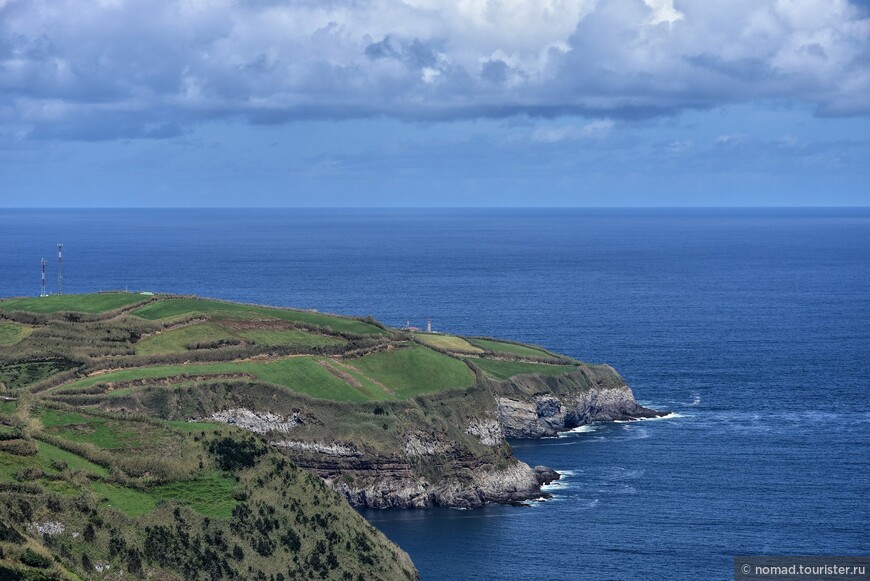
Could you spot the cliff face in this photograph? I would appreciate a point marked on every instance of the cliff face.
(427, 469)
(523, 407)
(464, 488)
(445, 449)
(545, 415)
(533, 406)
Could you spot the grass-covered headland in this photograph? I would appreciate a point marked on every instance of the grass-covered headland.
(116, 460)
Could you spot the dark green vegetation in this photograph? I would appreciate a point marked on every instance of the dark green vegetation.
(96, 393)
(15, 375)
(87, 494)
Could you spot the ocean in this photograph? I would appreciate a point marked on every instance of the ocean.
(752, 326)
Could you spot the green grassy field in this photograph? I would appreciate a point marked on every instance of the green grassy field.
(48, 458)
(415, 370)
(447, 342)
(510, 348)
(154, 372)
(107, 434)
(48, 454)
(508, 369)
(405, 372)
(173, 307)
(181, 339)
(177, 340)
(11, 333)
(300, 374)
(305, 375)
(90, 303)
(130, 501)
(209, 495)
(279, 337)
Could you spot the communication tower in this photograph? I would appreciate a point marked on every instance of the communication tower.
(42, 288)
(60, 268)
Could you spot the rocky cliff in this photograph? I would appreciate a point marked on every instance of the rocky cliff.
(444, 449)
(537, 407)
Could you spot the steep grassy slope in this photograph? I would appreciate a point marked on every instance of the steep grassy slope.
(413, 370)
(93, 496)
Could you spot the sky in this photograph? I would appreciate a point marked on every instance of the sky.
(427, 103)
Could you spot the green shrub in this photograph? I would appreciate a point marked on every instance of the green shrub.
(33, 559)
(234, 454)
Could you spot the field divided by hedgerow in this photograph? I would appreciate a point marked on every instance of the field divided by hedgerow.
(174, 307)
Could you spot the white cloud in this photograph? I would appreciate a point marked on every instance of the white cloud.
(730, 139)
(136, 63)
(596, 129)
(663, 11)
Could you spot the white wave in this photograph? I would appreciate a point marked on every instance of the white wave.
(592, 503)
(670, 416)
(554, 485)
(584, 429)
(696, 399)
(564, 473)
(619, 473)
(634, 433)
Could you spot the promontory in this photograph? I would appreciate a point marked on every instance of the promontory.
(188, 438)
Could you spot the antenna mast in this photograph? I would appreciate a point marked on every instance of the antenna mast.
(42, 288)
(60, 268)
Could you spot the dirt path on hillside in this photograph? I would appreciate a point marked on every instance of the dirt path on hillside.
(375, 381)
(339, 373)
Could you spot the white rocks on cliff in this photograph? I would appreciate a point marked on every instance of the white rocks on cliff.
(488, 430)
(417, 445)
(328, 449)
(259, 422)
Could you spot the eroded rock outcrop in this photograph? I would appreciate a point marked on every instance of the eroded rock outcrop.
(466, 487)
(543, 415)
(258, 422)
(488, 430)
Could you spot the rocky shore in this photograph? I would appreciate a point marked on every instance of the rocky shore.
(465, 463)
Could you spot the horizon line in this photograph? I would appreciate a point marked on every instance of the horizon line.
(517, 207)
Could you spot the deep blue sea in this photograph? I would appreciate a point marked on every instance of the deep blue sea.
(753, 326)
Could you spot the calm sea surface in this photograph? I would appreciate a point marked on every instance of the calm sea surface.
(752, 325)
